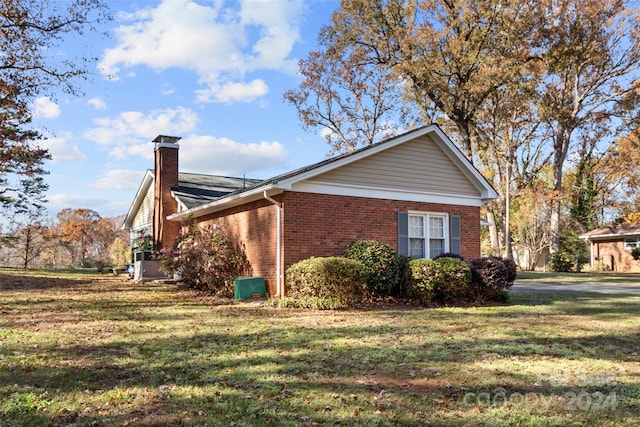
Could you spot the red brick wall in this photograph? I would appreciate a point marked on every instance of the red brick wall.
(323, 225)
(253, 224)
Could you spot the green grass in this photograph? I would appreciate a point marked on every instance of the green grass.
(586, 278)
(98, 350)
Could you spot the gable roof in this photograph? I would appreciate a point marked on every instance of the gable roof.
(612, 231)
(193, 190)
(287, 181)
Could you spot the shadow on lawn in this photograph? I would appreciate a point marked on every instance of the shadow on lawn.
(257, 374)
(23, 282)
(267, 375)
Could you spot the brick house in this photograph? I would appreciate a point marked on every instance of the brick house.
(415, 192)
(612, 245)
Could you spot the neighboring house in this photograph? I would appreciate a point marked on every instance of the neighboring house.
(415, 192)
(612, 246)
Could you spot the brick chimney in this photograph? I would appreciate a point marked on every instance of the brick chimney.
(166, 178)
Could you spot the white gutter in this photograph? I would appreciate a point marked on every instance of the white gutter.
(278, 242)
(225, 202)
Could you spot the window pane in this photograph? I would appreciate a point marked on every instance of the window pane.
(416, 248)
(436, 247)
(436, 227)
(416, 226)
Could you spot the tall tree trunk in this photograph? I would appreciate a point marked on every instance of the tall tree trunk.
(493, 231)
(561, 148)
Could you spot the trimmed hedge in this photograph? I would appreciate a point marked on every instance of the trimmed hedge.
(443, 279)
(337, 282)
(453, 279)
(420, 285)
(382, 261)
(333, 281)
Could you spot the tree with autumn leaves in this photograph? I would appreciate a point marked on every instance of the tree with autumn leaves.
(521, 86)
(77, 238)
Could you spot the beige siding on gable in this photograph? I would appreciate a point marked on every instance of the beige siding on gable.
(418, 165)
(144, 216)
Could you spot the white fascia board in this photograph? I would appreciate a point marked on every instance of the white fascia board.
(138, 199)
(608, 236)
(385, 193)
(226, 203)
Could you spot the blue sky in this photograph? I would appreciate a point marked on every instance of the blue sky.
(211, 72)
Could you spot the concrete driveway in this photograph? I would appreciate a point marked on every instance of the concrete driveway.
(575, 287)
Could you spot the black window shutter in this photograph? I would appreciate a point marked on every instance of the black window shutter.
(403, 233)
(454, 234)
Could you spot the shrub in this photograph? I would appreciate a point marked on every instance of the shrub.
(382, 261)
(560, 263)
(512, 271)
(449, 255)
(404, 275)
(490, 276)
(207, 259)
(453, 278)
(635, 253)
(335, 281)
(442, 279)
(420, 286)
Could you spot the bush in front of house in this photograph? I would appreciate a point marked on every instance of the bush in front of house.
(383, 264)
(207, 259)
(449, 255)
(421, 283)
(404, 275)
(490, 277)
(635, 253)
(332, 281)
(443, 279)
(453, 278)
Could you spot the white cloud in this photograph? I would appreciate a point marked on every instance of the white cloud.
(132, 127)
(234, 92)
(97, 103)
(221, 44)
(59, 201)
(45, 108)
(62, 151)
(223, 156)
(118, 179)
(167, 89)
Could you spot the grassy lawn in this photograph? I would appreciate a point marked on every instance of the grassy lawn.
(87, 350)
(586, 278)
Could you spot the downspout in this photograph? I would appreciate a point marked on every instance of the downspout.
(278, 243)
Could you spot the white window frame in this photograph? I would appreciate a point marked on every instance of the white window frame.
(426, 237)
(631, 244)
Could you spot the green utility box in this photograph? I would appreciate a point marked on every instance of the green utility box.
(249, 287)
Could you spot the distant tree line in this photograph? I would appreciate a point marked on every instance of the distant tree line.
(77, 238)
